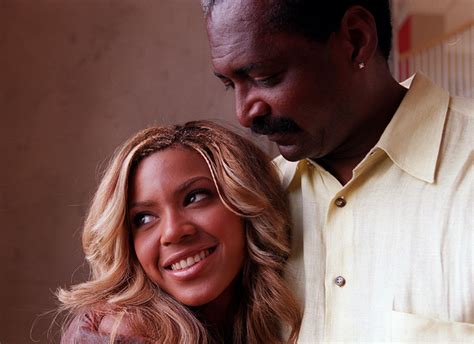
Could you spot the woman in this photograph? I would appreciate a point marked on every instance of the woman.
(187, 239)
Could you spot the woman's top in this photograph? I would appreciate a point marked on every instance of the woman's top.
(94, 328)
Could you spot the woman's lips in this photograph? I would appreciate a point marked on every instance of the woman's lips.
(191, 260)
(182, 271)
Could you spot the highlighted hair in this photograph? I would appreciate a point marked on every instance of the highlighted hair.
(248, 185)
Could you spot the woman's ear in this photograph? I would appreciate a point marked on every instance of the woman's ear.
(359, 30)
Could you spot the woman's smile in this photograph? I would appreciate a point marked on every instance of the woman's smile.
(189, 261)
(194, 266)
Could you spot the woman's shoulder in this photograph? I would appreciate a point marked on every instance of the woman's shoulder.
(96, 327)
(83, 328)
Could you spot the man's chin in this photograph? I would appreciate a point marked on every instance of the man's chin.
(292, 152)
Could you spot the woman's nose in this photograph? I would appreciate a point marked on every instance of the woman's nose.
(175, 229)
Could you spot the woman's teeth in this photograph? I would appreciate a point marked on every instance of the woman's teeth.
(190, 261)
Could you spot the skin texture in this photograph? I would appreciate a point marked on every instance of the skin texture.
(177, 213)
(310, 98)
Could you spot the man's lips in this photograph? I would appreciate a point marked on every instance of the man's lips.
(282, 139)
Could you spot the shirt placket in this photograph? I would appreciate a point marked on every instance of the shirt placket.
(339, 279)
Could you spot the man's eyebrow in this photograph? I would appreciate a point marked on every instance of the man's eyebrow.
(247, 69)
(240, 71)
(219, 75)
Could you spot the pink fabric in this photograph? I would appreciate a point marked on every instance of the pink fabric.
(84, 328)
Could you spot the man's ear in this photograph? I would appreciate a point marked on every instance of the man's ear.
(359, 31)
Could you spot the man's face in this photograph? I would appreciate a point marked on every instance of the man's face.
(286, 87)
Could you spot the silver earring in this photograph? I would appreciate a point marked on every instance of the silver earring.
(361, 65)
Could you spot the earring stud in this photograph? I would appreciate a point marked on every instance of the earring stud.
(361, 65)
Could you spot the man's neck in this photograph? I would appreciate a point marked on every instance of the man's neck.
(382, 105)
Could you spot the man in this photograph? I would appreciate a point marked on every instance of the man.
(379, 178)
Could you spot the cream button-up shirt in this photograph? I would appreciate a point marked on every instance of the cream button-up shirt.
(388, 257)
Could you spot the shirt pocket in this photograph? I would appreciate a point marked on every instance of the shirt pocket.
(408, 327)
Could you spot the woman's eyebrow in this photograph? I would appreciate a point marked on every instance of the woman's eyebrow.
(189, 182)
(178, 190)
(142, 204)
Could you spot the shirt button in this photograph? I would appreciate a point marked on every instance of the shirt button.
(340, 281)
(340, 202)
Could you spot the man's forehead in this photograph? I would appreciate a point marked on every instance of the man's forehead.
(236, 57)
(233, 27)
(241, 48)
(243, 12)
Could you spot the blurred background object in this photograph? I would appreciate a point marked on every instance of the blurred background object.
(77, 77)
(437, 38)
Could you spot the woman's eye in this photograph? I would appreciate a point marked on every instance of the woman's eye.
(196, 196)
(142, 219)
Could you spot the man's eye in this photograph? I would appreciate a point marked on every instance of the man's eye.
(142, 219)
(229, 86)
(267, 81)
(196, 196)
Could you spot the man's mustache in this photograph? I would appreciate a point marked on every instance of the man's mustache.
(268, 125)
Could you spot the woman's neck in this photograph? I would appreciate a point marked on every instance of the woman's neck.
(219, 314)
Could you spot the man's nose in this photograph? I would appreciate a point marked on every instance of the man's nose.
(248, 108)
(175, 229)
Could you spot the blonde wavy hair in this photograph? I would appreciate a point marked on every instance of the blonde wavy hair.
(248, 185)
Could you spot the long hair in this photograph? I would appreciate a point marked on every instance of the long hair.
(248, 185)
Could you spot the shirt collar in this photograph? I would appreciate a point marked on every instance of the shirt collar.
(287, 169)
(413, 137)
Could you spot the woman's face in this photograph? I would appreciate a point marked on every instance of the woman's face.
(186, 240)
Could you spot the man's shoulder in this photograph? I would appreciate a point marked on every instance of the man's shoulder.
(462, 106)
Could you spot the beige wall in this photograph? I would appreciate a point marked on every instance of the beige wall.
(460, 13)
(425, 29)
(454, 13)
(76, 78)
